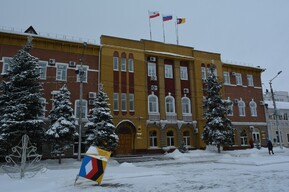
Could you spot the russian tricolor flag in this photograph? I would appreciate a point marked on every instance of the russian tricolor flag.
(167, 17)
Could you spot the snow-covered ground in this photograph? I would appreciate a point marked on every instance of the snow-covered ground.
(245, 170)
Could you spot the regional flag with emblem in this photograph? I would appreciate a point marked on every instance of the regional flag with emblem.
(94, 164)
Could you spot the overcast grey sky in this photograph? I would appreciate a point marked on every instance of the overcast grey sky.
(246, 32)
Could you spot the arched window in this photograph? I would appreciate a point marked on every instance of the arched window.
(123, 62)
(170, 104)
(241, 105)
(244, 138)
(186, 137)
(153, 104)
(153, 139)
(186, 105)
(130, 63)
(115, 61)
(170, 138)
(253, 108)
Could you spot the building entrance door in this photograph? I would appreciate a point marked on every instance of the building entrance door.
(126, 135)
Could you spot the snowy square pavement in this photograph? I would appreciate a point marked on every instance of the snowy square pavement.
(244, 170)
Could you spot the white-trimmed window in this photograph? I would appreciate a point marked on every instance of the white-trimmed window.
(184, 73)
(42, 69)
(82, 72)
(186, 105)
(250, 80)
(226, 76)
(241, 106)
(238, 79)
(187, 138)
(131, 102)
(256, 135)
(153, 139)
(204, 73)
(153, 103)
(253, 108)
(123, 63)
(244, 138)
(131, 65)
(115, 63)
(83, 104)
(170, 104)
(6, 64)
(115, 102)
(170, 139)
(152, 70)
(123, 102)
(168, 71)
(61, 72)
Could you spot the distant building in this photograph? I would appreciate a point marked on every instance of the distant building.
(282, 106)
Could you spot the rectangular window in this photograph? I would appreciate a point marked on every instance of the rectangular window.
(152, 70)
(82, 146)
(130, 65)
(123, 102)
(79, 104)
(131, 102)
(123, 64)
(226, 76)
(82, 73)
(238, 79)
(115, 101)
(288, 138)
(115, 63)
(250, 80)
(61, 72)
(42, 68)
(204, 73)
(6, 64)
(184, 73)
(169, 71)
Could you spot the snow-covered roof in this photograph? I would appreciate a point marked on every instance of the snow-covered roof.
(279, 104)
(170, 54)
(52, 36)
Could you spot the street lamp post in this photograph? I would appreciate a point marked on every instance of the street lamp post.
(81, 76)
(275, 108)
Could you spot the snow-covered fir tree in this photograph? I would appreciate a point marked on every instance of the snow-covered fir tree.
(218, 130)
(100, 128)
(20, 100)
(62, 130)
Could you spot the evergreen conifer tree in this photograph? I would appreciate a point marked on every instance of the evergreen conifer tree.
(218, 130)
(20, 102)
(62, 130)
(100, 128)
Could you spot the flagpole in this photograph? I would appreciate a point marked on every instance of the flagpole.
(177, 31)
(164, 32)
(150, 25)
